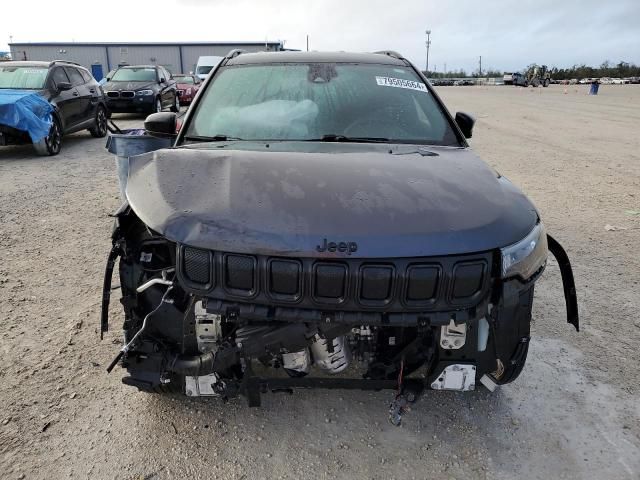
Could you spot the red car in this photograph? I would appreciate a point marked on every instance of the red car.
(188, 86)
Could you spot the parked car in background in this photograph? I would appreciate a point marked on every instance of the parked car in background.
(75, 102)
(508, 78)
(141, 88)
(188, 86)
(520, 80)
(619, 81)
(205, 65)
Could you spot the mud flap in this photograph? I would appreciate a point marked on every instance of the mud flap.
(568, 283)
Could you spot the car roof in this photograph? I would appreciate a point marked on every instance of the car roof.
(43, 64)
(20, 63)
(137, 66)
(387, 58)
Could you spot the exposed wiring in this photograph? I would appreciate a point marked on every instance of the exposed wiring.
(128, 346)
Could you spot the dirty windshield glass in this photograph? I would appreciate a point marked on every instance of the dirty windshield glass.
(31, 78)
(315, 100)
(134, 75)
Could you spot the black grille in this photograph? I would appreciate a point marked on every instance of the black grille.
(113, 94)
(349, 284)
(240, 272)
(376, 283)
(197, 265)
(422, 283)
(127, 94)
(467, 280)
(329, 282)
(284, 278)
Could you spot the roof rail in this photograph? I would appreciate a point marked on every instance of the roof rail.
(390, 53)
(64, 61)
(234, 53)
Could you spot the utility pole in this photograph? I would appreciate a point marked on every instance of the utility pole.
(480, 67)
(428, 32)
(307, 43)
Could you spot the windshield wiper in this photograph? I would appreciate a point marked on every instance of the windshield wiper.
(332, 137)
(214, 138)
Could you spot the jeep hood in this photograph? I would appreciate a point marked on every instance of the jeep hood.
(275, 199)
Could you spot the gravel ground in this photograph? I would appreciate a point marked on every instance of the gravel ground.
(573, 413)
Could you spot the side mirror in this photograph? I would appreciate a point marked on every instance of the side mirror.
(465, 122)
(162, 124)
(63, 86)
(162, 80)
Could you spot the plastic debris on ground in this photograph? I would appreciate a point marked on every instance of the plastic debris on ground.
(27, 111)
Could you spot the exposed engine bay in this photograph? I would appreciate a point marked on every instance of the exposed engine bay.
(179, 340)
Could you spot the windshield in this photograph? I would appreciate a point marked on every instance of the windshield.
(309, 101)
(134, 75)
(30, 78)
(204, 69)
(185, 79)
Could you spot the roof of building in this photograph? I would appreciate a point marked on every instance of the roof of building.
(141, 44)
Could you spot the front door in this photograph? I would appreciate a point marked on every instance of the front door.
(67, 101)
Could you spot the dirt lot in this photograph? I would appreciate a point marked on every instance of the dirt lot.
(574, 413)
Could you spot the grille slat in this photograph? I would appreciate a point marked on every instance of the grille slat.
(349, 284)
(197, 265)
(240, 272)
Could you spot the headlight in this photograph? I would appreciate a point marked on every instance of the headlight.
(141, 93)
(526, 257)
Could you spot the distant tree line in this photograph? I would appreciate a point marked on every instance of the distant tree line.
(606, 69)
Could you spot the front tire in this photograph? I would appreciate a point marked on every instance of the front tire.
(99, 130)
(51, 144)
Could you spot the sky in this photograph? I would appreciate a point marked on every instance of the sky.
(509, 35)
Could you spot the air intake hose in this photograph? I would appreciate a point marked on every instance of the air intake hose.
(193, 366)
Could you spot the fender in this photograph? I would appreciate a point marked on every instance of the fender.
(568, 283)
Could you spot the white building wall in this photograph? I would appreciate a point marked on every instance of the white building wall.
(177, 58)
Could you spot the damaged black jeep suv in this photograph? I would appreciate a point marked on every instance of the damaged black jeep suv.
(322, 222)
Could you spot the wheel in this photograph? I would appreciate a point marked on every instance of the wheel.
(158, 108)
(176, 104)
(50, 145)
(99, 130)
(526, 83)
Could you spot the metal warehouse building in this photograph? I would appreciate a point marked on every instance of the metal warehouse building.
(99, 58)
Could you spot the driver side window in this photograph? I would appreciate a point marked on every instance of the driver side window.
(59, 76)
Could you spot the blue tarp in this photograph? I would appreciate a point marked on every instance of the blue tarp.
(26, 110)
